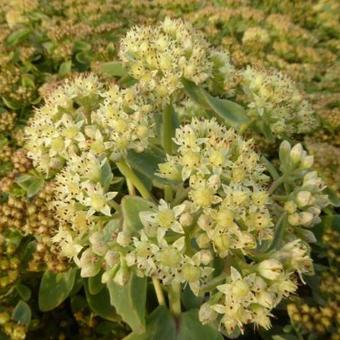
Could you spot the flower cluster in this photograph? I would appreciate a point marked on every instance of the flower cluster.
(80, 193)
(226, 186)
(124, 121)
(248, 298)
(158, 57)
(82, 116)
(276, 101)
(57, 128)
(305, 200)
(224, 209)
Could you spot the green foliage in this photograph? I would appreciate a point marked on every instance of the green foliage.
(55, 288)
(162, 325)
(22, 313)
(131, 207)
(129, 301)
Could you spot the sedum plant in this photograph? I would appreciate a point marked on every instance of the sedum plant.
(144, 196)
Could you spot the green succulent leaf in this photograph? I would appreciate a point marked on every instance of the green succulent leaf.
(131, 207)
(114, 69)
(146, 164)
(100, 303)
(30, 183)
(106, 175)
(232, 113)
(18, 36)
(129, 301)
(65, 68)
(162, 325)
(24, 291)
(55, 288)
(94, 284)
(22, 313)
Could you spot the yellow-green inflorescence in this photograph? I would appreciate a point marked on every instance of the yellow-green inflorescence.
(226, 206)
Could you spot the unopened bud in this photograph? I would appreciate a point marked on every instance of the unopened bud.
(203, 240)
(186, 220)
(122, 275)
(306, 218)
(307, 162)
(270, 269)
(206, 314)
(294, 219)
(204, 222)
(303, 198)
(123, 239)
(290, 206)
(205, 257)
(284, 151)
(112, 258)
(296, 153)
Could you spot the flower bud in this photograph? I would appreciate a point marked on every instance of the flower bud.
(307, 162)
(206, 314)
(306, 218)
(186, 220)
(265, 299)
(204, 222)
(122, 275)
(203, 240)
(98, 244)
(284, 151)
(123, 239)
(303, 198)
(312, 179)
(296, 153)
(294, 219)
(270, 269)
(290, 206)
(108, 276)
(205, 256)
(112, 258)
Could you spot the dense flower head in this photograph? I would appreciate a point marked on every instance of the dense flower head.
(226, 181)
(276, 101)
(80, 193)
(57, 128)
(159, 56)
(82, 116)
(247, 298)
(125, 120)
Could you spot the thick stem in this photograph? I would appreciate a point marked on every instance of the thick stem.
(131, 188)
(279, 232)
(134, 180)
(167, 129)
(159, 291)
(175, 298)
